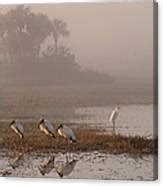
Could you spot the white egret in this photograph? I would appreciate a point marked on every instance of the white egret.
(113, 116)
(17, 128)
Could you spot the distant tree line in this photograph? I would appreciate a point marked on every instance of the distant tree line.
(22, 33)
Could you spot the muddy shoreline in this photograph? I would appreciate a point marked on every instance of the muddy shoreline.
(88, 140)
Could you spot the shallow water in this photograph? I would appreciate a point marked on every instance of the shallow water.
(132, 119)
(94, 165)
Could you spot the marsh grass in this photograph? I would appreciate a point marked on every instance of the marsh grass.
(87, 140)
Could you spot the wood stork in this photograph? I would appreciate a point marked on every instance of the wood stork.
(66, 168)
(17, 128)
(112, 117)
(67, 133)
(46, 127)
(47, 166)
(16, 162)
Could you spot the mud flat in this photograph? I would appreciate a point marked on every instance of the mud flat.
(88, 140)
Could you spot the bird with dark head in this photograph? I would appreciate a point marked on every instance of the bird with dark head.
(17, 128)
(40, 122)
(46, 127)
(13, 121)
(66, 132)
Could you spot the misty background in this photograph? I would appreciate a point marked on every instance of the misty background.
(74, 55)
(115, 38)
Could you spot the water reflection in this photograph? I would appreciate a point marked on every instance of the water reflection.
(66, 168)
(92, 165)
(47, 166)
(17, 160)
(62, 168)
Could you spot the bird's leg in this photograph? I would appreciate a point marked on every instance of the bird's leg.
(114, 127)
(67, 150)
(67, 160)
(69, 147)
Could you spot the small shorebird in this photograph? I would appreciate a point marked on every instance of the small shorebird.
(14, 163)
(47, 166)
(17, 128)
(66, 169)
(112, 117)
(67, 133)
(46, 127)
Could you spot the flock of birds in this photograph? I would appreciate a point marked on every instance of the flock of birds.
(47, 128)
(62, 130)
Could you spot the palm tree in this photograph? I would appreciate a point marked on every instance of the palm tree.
(59, 29)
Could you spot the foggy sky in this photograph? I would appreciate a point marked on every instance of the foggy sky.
(116, 38)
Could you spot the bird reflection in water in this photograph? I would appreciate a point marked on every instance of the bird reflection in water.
(17, 161)
(66, 168)
(47, 166)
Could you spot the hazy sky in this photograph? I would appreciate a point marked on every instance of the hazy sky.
(112, 37)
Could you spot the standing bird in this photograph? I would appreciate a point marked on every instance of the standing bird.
(66, 169)
(47, 166)
(67, 133)
(46, 127)
(112, 117)
(17, 128)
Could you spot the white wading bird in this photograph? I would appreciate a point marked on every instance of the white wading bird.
(112, 117)
(47, 166)
(66, 168)
(17, 128)
(46, 127)
(67, 133)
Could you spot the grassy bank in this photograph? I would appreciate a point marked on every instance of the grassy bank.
(87, 140)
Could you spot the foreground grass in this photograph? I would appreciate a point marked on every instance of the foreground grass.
(87, 140)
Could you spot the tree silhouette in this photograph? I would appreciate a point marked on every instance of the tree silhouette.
(23, 32)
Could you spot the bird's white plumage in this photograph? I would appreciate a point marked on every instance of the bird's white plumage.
(67, 132)
(113, 115)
